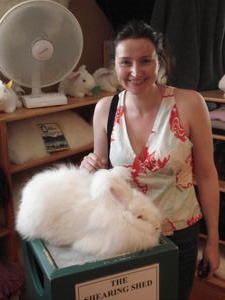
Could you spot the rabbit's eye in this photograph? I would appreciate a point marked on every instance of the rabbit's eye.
(140, 217)
(84, 80)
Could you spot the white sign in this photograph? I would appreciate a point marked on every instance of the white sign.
(136, 284)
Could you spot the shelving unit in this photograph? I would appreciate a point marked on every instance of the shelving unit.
(7, 232)
(217, 97)
(213, 288)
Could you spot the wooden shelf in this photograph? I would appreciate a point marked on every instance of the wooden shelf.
(26, 113)
(222, 185)
(219, 137)
(218, 97)
(214, 287)
(213, 96)
(48, 159)
(204, 237)
(4, 232)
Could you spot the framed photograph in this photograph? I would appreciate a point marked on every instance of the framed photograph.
(53, 137)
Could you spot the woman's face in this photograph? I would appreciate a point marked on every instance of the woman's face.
(136, 64)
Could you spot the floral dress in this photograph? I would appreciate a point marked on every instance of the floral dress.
(164, 169)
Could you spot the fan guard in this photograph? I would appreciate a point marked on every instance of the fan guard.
(41, 42)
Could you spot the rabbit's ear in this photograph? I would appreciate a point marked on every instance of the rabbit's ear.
(82, 68)
(121, 193)
(104, 73)
(74, 76)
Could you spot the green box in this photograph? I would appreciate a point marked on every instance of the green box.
(145, 275)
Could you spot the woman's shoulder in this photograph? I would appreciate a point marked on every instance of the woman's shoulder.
(188, 98)
(102, 106)
(187, 94)
(104, 103)
(190, 103)
(179, 93)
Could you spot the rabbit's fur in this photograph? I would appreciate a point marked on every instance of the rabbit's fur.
(97, 213)
(221, 85)
(78, 84)
(106, 79)
(9, 100)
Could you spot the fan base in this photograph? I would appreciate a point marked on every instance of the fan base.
(43, 100)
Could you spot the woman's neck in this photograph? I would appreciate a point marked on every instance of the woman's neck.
(146, 102)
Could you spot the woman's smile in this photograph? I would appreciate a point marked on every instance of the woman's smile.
(137, 81)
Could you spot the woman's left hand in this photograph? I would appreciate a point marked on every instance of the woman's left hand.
(211, 256)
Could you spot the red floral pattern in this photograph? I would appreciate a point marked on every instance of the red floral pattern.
(144, 166)
(118, 115)
(168, 227)
(193, 220)
(184, 176)
(175, 125)
(144, 163)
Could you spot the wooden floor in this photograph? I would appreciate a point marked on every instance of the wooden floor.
(212, 289)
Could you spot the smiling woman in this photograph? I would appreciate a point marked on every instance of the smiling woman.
(157, 135)
(7, 4)
(136, 64)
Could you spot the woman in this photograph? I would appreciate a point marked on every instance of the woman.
(161, 132)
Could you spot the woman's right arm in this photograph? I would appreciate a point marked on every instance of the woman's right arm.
(99, 158)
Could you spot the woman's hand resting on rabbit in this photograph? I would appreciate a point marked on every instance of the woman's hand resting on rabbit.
(93, 162)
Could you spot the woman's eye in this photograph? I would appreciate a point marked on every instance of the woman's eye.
(125, 63)
(146, 61)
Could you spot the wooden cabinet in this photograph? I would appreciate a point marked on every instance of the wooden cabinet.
(213, 288)
(7, 233)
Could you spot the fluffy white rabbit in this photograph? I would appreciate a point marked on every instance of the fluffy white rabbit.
(9, 100)
(78, 84)
(99, 214)
(106, 79)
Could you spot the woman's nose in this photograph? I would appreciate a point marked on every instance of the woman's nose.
(135, 70)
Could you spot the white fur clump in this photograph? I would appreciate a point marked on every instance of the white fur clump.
(221, 85)
(77, 131)
(98, 214)
(106, 79)
(78, 84)
(9, 100)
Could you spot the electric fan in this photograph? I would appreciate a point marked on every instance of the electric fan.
(40, 44)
